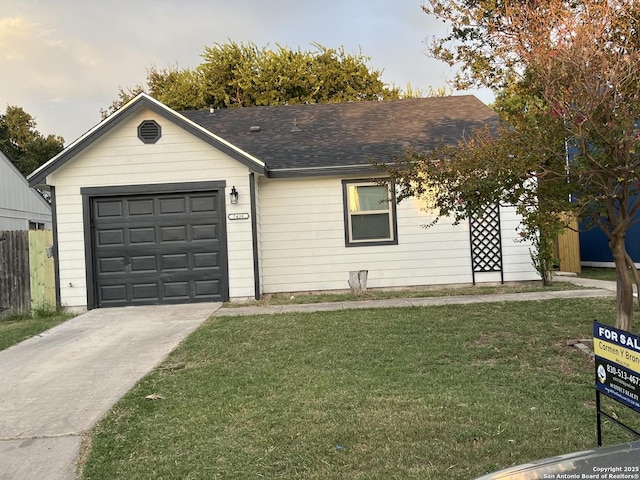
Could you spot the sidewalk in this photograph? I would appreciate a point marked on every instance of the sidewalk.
(595, 288)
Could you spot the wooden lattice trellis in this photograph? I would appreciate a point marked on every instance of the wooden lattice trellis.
(486, 243)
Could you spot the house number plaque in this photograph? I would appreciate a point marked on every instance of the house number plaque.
(238, 216)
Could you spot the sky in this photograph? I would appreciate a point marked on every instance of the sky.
(64, 60)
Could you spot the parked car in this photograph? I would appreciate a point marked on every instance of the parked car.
(611, 462)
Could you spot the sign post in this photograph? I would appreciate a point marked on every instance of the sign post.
(617, 364)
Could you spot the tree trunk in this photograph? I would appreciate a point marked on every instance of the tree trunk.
(624, 290)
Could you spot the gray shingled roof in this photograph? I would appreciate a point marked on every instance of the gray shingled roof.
(330, 139)
(334, 137)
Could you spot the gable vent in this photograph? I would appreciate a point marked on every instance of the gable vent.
(149, 131)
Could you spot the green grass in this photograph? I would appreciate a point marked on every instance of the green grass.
(18, 327)
(599, 273)
(304, 297)
(405, 393)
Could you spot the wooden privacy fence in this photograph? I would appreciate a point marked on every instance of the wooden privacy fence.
(15, 294)
(27, 276)
(566, 248)
(41, 268)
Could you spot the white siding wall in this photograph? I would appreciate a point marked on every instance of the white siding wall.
(120, 158)
(19, 204)
(303, 243)
(516, 254)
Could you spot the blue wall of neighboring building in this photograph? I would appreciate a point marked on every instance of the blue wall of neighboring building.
(594, 246)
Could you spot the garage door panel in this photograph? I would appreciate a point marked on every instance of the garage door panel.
(140, 207)
(142, 235)
(205, 260)
(144, 263)
(113, 293)
(207, 287)
(166, 248)
(176, 290)
(144, 291)
(113, 208)
(111, 237)
(111, 265)
(174, 233)
(205, 232)
(172, 205)
(203, 204)
(175, 262)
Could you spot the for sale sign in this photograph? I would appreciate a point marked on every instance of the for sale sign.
(617, 360)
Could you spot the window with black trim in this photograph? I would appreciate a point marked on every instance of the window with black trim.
(369, 213)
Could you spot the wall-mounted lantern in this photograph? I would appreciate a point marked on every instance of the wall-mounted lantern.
(233, 195)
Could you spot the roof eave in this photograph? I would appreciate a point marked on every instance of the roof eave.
(142, 101)
(19, 174)
(330, 171)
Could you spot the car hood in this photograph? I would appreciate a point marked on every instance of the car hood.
(603, 462)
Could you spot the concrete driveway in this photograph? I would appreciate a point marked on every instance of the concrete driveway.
(57, 385)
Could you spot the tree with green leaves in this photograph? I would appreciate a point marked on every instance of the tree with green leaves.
(568, 74)
(242, 75)
(497, 163)
(21, 142)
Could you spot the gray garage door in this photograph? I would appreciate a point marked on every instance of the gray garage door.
(158, 249)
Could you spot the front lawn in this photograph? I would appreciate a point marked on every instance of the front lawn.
(18, 327)
(447, 392)
(594, 273)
